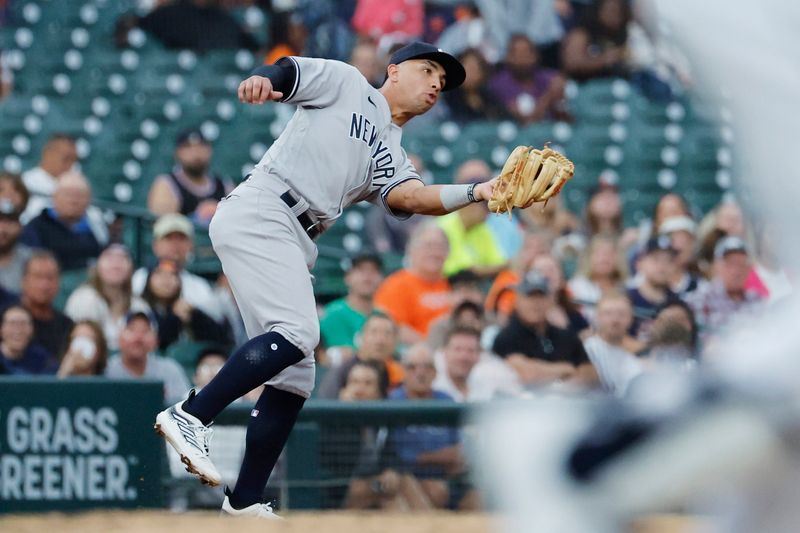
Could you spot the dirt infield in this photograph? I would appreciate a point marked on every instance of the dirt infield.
(320, 522)
(194, 522)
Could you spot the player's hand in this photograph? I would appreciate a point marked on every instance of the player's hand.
(483, 191)
(257, 90)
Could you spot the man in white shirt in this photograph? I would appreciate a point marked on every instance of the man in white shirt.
(615, 366)
(462, 351)
(58, 156)
(173, 239)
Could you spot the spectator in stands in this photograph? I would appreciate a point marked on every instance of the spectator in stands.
(537, 19)
(18, 353)
(65, 228)
(209, 362)
(58, 156)
(198, 25)
(40, 284)
(604, 210)
(673, 345)
(389, 234)
(175, 317)
(173, 239)
(377, 342)
(725, 295)
(769, 277)
(472, 244)
(529, 92)
(374, 484)
(564, 312)
(730, 218)
(288, 36)
(106, 297)
(389, 21)
(6, 76)
(418, 294)
(501, 296)
(609, 349)
(469, 31)
(462, 351)
(467, 313)
(137, 342)
(670, 205)
(596, 46)
(189, 188)
(429, 453)
(538, 351)
(366, 59)
(473, 100)
(650, 288)
(7, 299)
(13, 189)
(343, 318)
(13, 254)
(602, 268)
(86, 353)
(685, 276)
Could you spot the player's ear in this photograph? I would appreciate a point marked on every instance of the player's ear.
(393, 71)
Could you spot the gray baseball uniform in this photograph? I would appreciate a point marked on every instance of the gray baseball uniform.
(339, 148)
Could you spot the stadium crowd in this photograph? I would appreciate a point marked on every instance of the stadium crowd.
(485, 306)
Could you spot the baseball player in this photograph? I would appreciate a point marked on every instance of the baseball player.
(341, 146)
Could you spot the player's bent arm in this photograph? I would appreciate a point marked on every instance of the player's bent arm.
(267, 82)
(414, 197)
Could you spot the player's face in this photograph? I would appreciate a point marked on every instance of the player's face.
(421, 81)
(614, 318)
(461, 354)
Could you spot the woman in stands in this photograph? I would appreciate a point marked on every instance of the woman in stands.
(176, 318)
(86, 353)
(107, 297)
(601, 268)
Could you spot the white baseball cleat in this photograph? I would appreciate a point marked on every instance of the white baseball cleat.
(190, 438)
(257, 510)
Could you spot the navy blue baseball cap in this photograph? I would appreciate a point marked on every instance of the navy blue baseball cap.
(453, 70)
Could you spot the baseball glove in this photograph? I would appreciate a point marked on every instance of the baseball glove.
(529, 176)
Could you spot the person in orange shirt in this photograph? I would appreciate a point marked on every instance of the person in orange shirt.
(500, 299)
(418, 294)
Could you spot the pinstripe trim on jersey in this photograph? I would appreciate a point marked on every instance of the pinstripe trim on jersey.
(296, 79)
(402, 215)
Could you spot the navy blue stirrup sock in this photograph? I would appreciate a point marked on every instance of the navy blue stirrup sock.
(267, 432)
(257, 361)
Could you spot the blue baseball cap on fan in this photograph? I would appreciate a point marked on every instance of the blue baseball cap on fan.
(453, 70)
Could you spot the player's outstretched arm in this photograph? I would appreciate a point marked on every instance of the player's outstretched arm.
(414, 197)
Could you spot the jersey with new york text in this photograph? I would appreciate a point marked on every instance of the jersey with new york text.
(341, 146)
